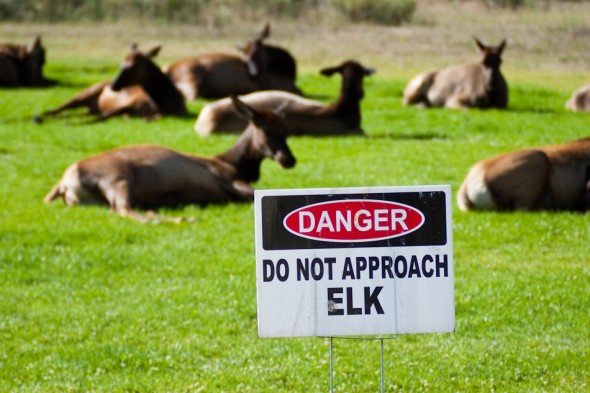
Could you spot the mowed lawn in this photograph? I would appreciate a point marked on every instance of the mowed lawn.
(90, 301)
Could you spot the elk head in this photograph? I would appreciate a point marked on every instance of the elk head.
(33, 61)
(353, 74)
(254, 54)
(492, 55)
(269, 134)
(136, 67)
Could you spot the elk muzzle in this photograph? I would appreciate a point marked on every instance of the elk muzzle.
(285, 159)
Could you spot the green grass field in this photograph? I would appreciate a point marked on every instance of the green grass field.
(92, 302)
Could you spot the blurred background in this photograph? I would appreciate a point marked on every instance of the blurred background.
(399, 37)
(387, 12)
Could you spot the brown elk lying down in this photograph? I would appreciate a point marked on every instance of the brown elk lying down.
(154, 176)
(546, 178)
(479, 85)
(219, 74)
(140, 89)
(580, 100)
(22, 65)
(302, 116)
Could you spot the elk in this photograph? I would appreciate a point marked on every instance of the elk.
(302, 116)
(580, 100)
(22, 65)
(140, 89)
(273, 67)
(545, 178)
(478, 85)
(220, 74)
(153, 176)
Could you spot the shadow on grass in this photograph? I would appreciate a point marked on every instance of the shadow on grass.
(536, 109)
(531, 109)
(417, 137)
(541, 213)
(81, 117)
(78, 85)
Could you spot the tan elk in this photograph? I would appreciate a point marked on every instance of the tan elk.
(153, 176)
(478, 85)
(220, 74)
(302, 116)
(139, 89)
(546, 178)
(580, 100)
(22, 65)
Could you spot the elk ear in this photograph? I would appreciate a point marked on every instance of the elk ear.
(243, 109)
(480, 45)
(153, 52)
(330, 71)
(36, 43)
(264, 33)
(370, 71)
(501, 46)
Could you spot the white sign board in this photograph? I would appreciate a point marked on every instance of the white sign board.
(354, 261)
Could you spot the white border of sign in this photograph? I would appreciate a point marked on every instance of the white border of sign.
(408, 289)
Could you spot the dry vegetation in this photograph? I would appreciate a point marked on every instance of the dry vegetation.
(546, 39)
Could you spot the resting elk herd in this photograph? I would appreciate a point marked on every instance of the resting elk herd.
(255, 95)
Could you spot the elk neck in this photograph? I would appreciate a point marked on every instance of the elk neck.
(243, 157)
(163, 92)
(351, 93)
(497, 87)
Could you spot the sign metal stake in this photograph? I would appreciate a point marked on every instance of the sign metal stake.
(380, 339)
(331, 367)
(382, 368)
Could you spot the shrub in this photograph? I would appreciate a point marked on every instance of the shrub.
(264, 8)
(387, 12)
(514, 4)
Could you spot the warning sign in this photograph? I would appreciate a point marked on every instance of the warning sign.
(359, 261)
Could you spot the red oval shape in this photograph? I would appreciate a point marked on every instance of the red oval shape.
(359, 220)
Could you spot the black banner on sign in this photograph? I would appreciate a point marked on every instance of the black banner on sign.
(431, 204)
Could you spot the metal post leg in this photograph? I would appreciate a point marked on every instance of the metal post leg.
(331, 368)
(382, 369)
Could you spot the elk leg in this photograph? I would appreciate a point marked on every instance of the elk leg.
(153, 117)
(150, 216)
(107, 115)
(118, 196)
(129, 110)
(120, 202)
(236, 190)
(86, 98)
(587, 192)
(242, 190)
(416, 92)
(75, 102)
(457, 102)
(155, 218)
